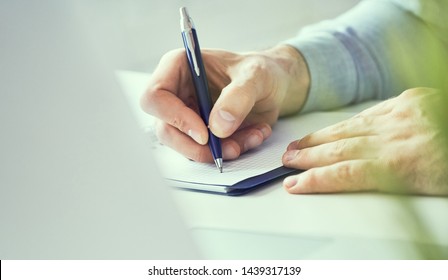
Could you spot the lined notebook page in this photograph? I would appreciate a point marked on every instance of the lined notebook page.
(255, 162)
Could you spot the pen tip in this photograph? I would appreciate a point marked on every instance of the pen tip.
(218, 163)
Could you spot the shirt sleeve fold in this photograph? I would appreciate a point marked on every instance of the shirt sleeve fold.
(374, 51)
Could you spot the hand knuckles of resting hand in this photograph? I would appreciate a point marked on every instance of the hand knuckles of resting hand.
(346, 173)
(416, 92)
(340, 149)
(339, 128)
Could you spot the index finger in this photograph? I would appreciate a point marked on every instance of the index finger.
(170, 97)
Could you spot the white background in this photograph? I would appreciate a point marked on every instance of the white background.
(136, 33)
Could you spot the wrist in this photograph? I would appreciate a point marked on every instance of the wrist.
(297, 77)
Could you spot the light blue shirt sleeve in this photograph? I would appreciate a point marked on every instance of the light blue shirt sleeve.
(376, 50)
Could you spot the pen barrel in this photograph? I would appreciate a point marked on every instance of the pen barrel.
(202, 91)
(199, 81)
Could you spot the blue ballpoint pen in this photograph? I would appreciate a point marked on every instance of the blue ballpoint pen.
(199, 77)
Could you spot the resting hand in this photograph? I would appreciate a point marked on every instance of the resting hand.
(398, 145)
(250, 91)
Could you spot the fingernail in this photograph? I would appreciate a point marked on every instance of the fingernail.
(196, 136)
(252, 141)
(225, 121)
(290, 155)
(290, 182)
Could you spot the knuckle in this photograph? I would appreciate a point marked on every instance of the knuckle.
(150, 100)
(393, 164)
(178, 122)
(401, 114)
(255, 75)
(366, 121)
(408, 93)
(413, 92)
(339, 150)
(256, 66)
(175, 55)
(294, 159)
(147, 99)
(338, 129)
(309, 179)
(345, 173)
(340, 126)
(303, 158)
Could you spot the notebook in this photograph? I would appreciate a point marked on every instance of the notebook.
(252, 170)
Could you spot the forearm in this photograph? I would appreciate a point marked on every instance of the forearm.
(374, 51)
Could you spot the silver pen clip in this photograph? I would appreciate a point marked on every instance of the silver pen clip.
(187, 26)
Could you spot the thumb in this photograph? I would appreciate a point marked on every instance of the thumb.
(233, 105)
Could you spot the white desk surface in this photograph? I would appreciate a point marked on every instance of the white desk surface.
(271, 224)
(367, 215)
(271, 210)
